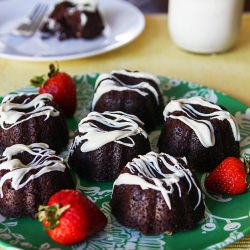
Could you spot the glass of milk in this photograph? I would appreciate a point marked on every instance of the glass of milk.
(204, 26)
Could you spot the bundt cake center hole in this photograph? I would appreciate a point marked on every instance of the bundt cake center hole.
(110, 127)
(128, 81)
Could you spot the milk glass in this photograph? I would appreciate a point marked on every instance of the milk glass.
(204, 26)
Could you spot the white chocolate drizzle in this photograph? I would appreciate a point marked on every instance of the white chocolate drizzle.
(44, 161)
(83, 19)
(109, 82)
(120, 124)
(51, 23)
(85, 5)
(199, 122)
(12, 113)
(151, 167)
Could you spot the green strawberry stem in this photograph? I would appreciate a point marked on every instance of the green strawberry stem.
(51, 214)
(38, 81)
(53, 70)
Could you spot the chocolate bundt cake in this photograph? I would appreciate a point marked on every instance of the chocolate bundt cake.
(134, 93)
(74, 19)
(201, 131)
(29, 118)
(104, 143)
(29, 175)
(157, 193)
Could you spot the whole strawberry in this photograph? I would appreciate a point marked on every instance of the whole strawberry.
(71, 217)
(229, 177)
(61, 86)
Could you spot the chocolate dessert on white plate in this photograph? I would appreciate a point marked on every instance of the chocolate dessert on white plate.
(73, 19)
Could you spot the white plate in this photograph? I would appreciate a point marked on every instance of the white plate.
(123, 23)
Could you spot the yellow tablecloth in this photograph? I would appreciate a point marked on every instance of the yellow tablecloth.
(154, 52)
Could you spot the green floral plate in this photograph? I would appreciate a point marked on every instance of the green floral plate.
(227, 217)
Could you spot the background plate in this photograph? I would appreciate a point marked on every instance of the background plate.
(123, 23)
(227, 217)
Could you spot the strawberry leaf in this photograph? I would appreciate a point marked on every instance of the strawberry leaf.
(51, 214)
(38, 81)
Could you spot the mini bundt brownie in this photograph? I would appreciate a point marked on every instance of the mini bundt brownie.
(105, 142)
(29, 118)
(134, 93)
(29, 176)
(157, 193)
(201, 131)
(74, 19)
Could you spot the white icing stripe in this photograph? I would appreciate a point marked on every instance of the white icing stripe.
(137, 74)
(86, 5)
(14, 113)
(108, 82)
(83, 5)
(120, 124)
(199, 122)
(44, 161)
(148, 168)
(84, 19)
(51, 23)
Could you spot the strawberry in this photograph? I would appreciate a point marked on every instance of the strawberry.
(71, 217)
(61, 86)
(229, 177)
